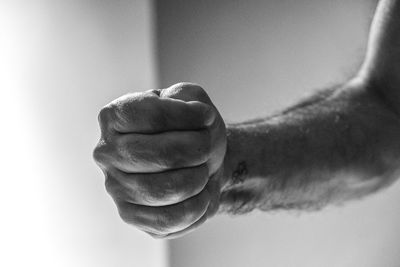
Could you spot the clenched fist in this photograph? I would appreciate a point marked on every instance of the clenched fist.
(162, 154)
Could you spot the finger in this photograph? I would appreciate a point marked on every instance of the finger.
(213, 189)
(141, 153)
(148, 113)
(165, 219)
(382, 64)
(157, 189)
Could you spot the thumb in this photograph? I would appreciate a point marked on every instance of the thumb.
(186, 92)
(382, 64)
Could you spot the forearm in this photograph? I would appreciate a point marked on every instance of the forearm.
(340, 145)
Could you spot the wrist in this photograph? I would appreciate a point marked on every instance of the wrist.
(242, 167)
(235, 164)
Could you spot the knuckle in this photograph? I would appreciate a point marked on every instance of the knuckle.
(189, 92)
(125, 107)
(111, 186)
(118, 190)
(128, 108)
(101, 152)
(126, 214)
(126, 217)
(105, 115)
(131, 104)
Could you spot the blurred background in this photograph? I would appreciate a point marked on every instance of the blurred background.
(61, 61)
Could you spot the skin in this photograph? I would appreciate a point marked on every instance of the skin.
(171, 163)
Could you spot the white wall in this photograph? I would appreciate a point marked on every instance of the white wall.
(254, 57)
(60, 62)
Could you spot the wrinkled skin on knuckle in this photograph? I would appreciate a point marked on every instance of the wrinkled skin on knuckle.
(102, 153)
(114, 188)
(118, 190)
(143, 110)
(108, 154)
(97, 154)
(133, 215)
(125, 214)
(133, 108)
(105, 116)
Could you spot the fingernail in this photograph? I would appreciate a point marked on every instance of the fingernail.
(209, 116)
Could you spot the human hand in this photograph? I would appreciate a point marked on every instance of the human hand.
(162, 154)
